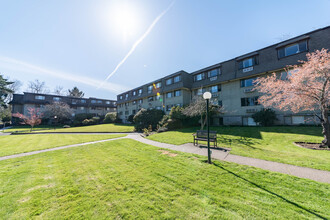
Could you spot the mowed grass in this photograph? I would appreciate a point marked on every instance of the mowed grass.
(267, 143)
(14, 144)
(91, 128)
(127, 179)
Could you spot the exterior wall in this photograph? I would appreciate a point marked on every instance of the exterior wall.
(230, 80)
(21, 103)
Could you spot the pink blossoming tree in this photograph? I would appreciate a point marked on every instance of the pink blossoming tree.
(33, 119)
(306, 88)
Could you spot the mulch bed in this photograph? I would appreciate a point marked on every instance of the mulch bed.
(308, 145)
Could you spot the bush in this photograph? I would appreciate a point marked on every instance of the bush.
(130, 118)
(145, 118)
(265, 117)
(110, 117)
(79, 118)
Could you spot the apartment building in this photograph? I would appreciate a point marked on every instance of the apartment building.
(22, 102)
(230, 82)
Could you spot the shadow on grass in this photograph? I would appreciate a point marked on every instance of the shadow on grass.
(244, 133)
(270, 192)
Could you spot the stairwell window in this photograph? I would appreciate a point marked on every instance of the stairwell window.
(292, 49)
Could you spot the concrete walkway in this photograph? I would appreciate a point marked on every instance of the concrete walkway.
(302, 172)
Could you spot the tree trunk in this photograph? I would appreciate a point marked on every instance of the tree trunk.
(325, 128)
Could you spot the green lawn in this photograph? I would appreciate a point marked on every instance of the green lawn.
(127, 179)
(268, 143)
(91, 128)
(14, 144)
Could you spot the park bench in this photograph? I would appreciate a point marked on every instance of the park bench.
(201, 135)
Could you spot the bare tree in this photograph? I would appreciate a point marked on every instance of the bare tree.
(15, 87)
(58, 90)
(59, 109)
(37, 87)
(198, 108)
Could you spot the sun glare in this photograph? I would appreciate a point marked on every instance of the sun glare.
(126, 19)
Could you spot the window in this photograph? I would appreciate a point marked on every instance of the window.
(134, 93)
(120, 113)
(134, 102)
(40, 97)
(169, 95)
(150, 89)
(159, 107)
(213, 73)
(126, 95)
(134, 112)
(199, 77)
(292, 49)
(121, 97)
(248, 82)
(215, 89)
(177, 78)
(83, 101)
(126, 104)
(140, 101)
(158, 85)
(140, 91)
(99, 102)
(56, 99)
(93, 101)
(177, 93)
(198, 91)
(107, 102)
(157, 97)
(74, 101)
(150, 99)
(220, 103)
(251, 101)
(251, 61)
(126, 112)
(169, 81)
(82, 108)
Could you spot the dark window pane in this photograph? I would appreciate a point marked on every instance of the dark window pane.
(303, 46)
(281, 53)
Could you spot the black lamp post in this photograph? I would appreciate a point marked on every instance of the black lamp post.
(207, 96)
(55, 118)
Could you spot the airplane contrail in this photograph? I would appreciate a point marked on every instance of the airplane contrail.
(138, 42)
(25, 67)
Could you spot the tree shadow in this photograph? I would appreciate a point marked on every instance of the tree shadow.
(270, 192)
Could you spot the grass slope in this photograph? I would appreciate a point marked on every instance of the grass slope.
(91, 128)
(267, 143)
(14, 144)
(127, 179)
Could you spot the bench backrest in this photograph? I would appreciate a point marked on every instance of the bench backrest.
(203, 134)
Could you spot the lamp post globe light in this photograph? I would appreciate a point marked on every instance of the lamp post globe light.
(207, 96)
(55, 118)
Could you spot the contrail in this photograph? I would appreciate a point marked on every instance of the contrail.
(138, 42)
(25, 67)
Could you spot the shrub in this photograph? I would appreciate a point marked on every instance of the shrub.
(79, 118)
(145, 118)
(130, 118)
(265, 117)
(110, 117)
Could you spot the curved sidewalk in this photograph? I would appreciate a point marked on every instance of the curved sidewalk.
(302, 172)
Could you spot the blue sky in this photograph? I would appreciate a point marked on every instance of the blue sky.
(79, 42)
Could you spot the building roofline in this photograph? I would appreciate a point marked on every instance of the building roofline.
(288, 41)
(63, 96)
